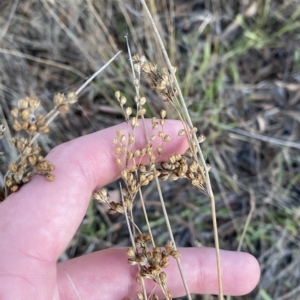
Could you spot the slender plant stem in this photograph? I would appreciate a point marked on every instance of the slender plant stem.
(140, 191)
(187, 116)
(172, 238)
(132, 238)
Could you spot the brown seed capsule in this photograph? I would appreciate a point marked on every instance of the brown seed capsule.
(12, 167)
(201, 138)
(17, 126)
(71, 98)
(117, 95)
(143, 101)
(130, 252)
(49, 177)
(14, 113)
(163, 277)
(123, 100)
(167, 138)
(26, 179)
(159, 150)
(43, 129)
(59, 99)
(128, 111)
(142, 111)
(193, 130)
(23, 103)
(14, 188)
(32, 128)
(134, 122)
(33, 104)
(181, 132)
(63, 108)
(163, 113)
(25, 115)
(32, 160)
(8, 183)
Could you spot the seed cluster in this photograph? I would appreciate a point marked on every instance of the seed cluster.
(161, 81)
(26, 120)
(138, 168)
(29, 163)
(183, 166)
(152, 261)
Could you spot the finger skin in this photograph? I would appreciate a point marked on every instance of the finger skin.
(37, 223)
(49, 213)
(107, 275)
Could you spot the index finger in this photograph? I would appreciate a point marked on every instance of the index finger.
(44, 216)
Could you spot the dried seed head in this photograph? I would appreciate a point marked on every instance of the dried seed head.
(118, 161)
(152, 138)
(148, 68)
(136, 59)
(161, 135)
(167, 138)
(134, 122)
(49, 177)
(59, 99)
(63, 108)
(201, 138)
(128, 111)
(163, 113)
(143, 101)
(33, 104)
(117, 95)
(159, 150)
(136, 82)
(43, 129)
(142, 111)
(130, 252)
(163, 277)
(71, 98)
(25, 115)
(123, 100)
(2, 130)
(101, 195)
(154, 123)
(13, 167)
(14, 188)
(143, 59)
(23, 103)
(14, 113)
(194, 130)
(17, 126)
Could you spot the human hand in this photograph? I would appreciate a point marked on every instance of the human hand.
(38, 222)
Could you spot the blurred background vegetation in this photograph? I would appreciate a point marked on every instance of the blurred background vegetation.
(239, 68)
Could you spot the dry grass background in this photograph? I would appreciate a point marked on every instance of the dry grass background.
(239, 68)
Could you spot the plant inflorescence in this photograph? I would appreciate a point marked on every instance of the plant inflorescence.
(29, 123)
(139, 168)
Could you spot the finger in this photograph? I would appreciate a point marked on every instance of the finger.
(106, 274)
(42, 217)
